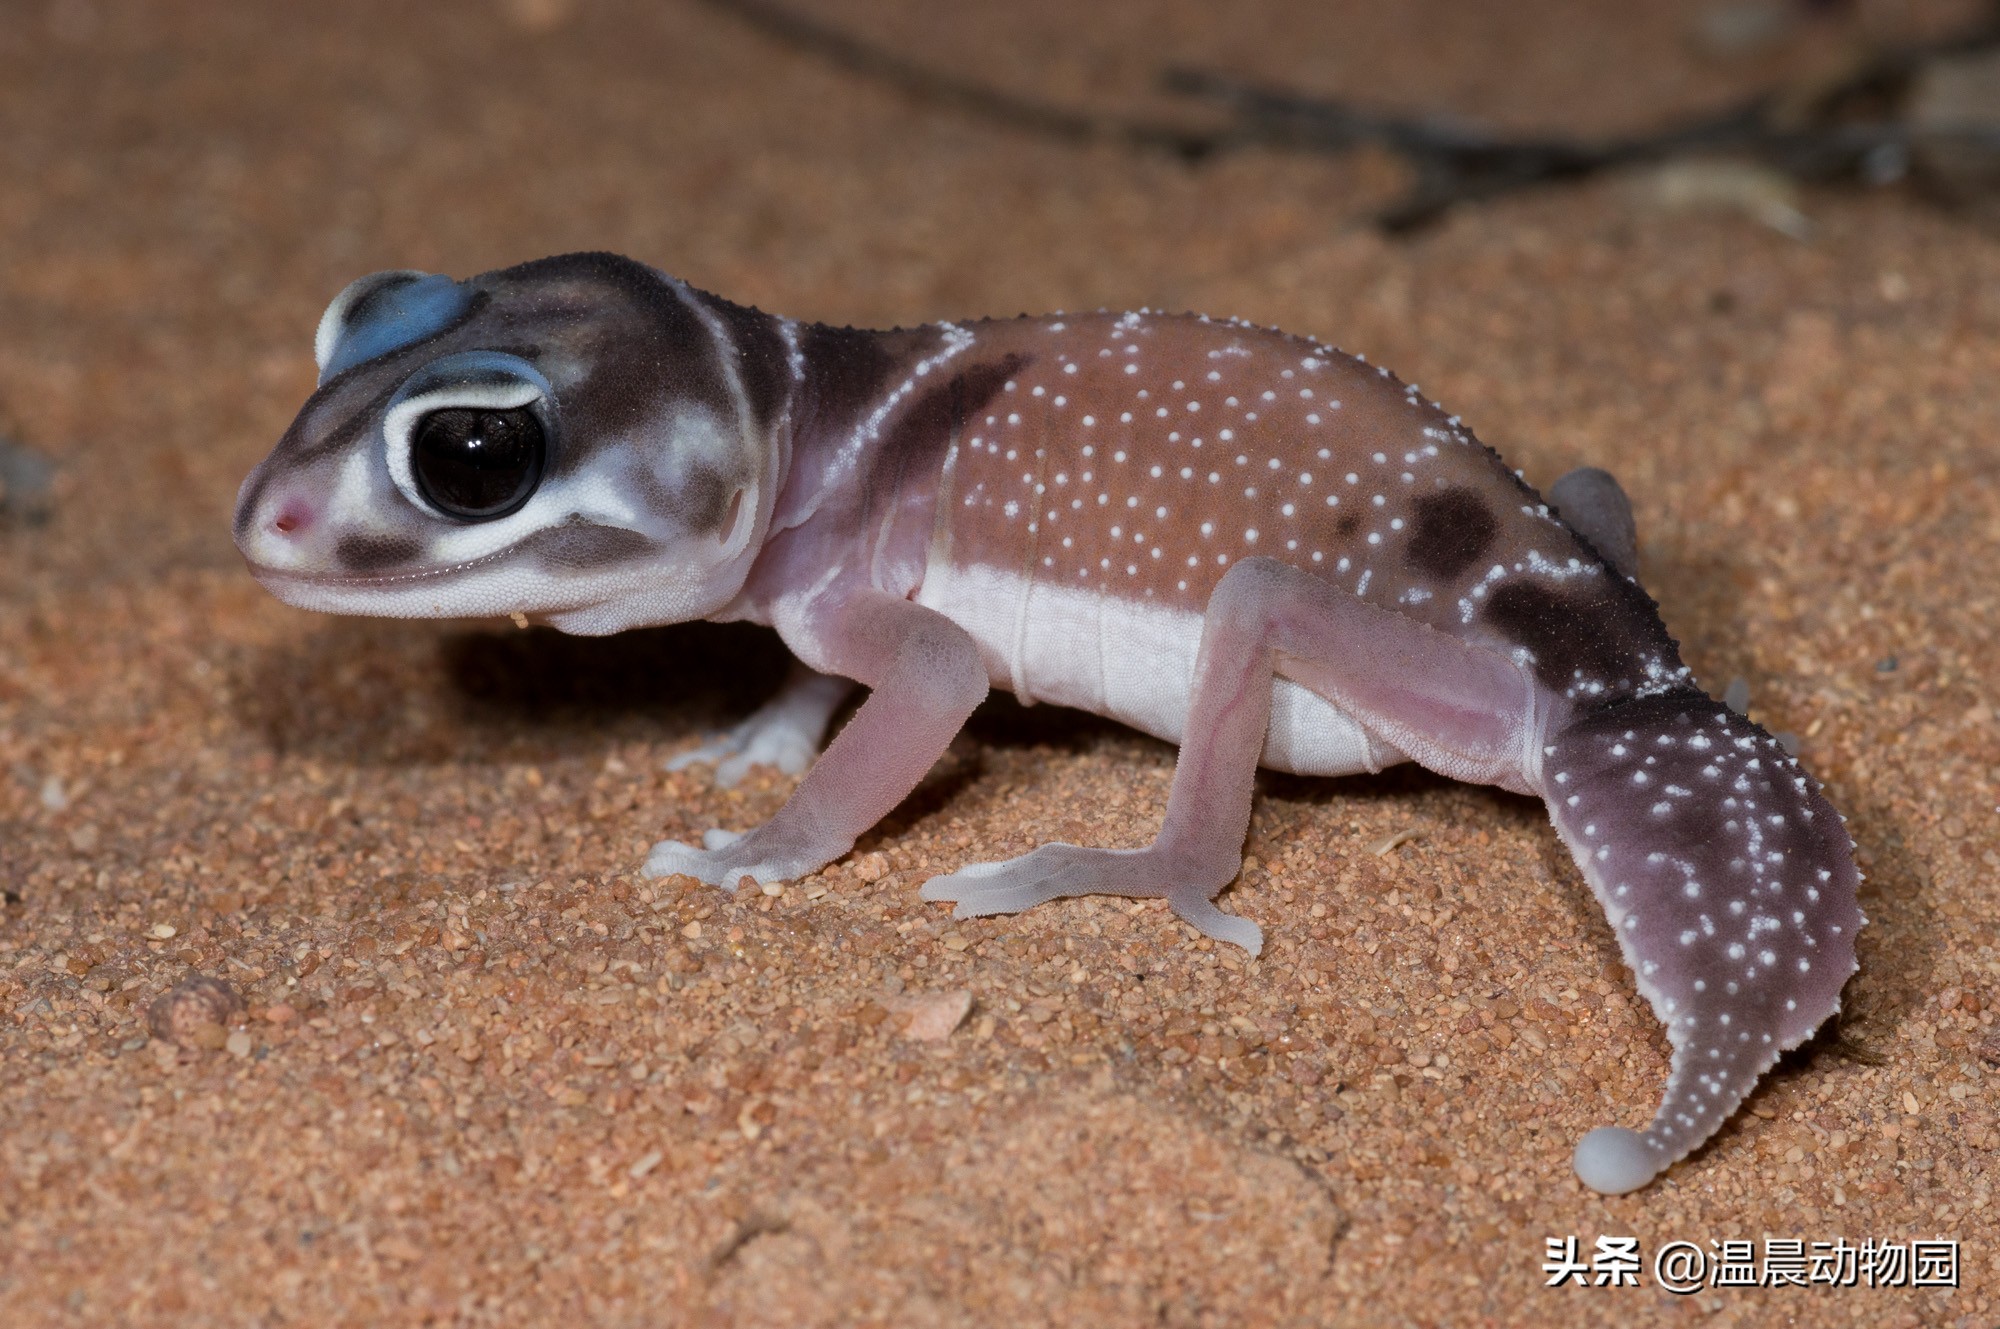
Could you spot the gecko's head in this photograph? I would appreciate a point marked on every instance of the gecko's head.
(568, 439)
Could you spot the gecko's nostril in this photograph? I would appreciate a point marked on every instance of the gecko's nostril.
(290, 518)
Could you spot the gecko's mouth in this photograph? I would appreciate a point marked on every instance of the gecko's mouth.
(551, 570)
(272, 577)
(452, 591)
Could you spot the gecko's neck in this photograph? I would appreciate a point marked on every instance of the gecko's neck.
(851, 386)
(865, 432)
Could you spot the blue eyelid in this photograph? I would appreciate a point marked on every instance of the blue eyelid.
(395, 317)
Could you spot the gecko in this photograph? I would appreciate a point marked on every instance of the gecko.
(1249, 544)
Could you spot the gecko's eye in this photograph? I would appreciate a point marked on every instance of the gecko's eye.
(470, 436)
(478, 464)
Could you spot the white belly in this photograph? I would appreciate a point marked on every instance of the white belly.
(1131, 661)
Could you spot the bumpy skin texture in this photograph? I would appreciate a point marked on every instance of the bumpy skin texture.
(1246, 543)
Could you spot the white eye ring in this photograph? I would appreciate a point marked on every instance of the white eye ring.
(471, 380)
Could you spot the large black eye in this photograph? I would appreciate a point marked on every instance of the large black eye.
(478, 464)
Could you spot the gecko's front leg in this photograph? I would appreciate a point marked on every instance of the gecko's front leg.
(925, 677)
(1460, 710)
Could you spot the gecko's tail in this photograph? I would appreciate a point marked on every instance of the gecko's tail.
(1730, 883)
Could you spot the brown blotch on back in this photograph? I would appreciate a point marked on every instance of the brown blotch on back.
(1453, 528)
(1596, 633)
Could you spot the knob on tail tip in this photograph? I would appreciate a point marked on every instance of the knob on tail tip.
(1613, 1160)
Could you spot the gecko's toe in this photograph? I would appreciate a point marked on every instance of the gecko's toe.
(981, 890)
(1613, 1160)
(736, 753)
(1052, 872)
(713, 750)
(671, 858)
(1201, 914)
(1058, 871)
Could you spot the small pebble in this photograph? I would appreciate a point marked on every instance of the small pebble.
(163, 931)
(871, 867)
(930, 1017)
(193, 1012)
(237, 1044)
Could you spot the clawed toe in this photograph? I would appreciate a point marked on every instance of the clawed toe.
(671, 858)
(991, 900)
(1202, 915)
(1051, 872)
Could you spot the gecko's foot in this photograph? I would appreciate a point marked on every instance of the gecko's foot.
(784, 732)
(751, 744)
(725, 859)
(1056, 871)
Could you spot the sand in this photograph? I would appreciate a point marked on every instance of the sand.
(483, 1073)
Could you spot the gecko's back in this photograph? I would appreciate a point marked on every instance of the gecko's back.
(1093, 478)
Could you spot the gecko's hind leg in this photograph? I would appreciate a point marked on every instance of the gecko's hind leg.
(1591, 503)
(1460, 710)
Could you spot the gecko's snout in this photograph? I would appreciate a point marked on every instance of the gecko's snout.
(280, 532)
